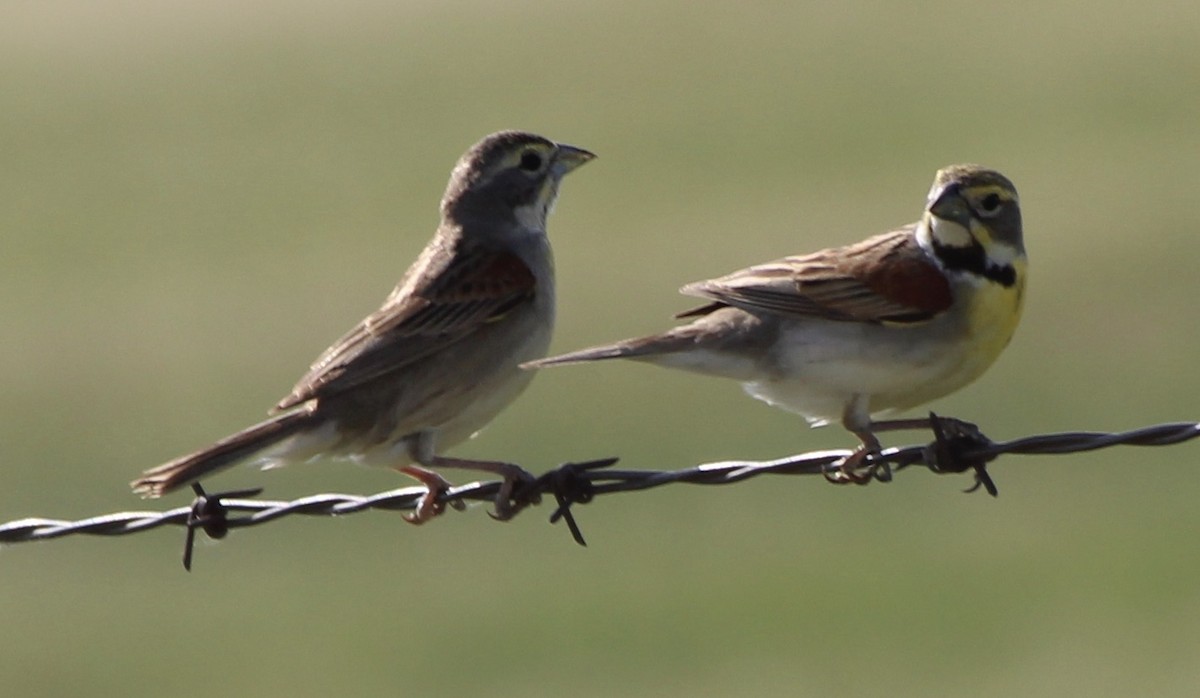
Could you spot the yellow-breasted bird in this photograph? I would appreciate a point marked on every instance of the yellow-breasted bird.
(850, 332)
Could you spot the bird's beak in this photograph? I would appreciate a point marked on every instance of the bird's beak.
(568, 157)
(949, 205)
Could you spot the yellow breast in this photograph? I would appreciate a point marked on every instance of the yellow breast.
(960, 346)
(993, 312)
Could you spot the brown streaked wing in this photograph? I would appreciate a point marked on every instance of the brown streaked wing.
(456, 293)
(887, 278)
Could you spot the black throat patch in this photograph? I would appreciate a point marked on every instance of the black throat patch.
(972, 259)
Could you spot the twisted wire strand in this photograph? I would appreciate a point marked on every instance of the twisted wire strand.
(958, 447)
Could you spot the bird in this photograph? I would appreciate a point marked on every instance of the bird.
(871, 328)
(440, 358)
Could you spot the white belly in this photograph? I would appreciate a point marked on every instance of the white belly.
(823, 366)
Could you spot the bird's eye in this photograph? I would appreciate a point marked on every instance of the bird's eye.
(990, 204)
(531, 161)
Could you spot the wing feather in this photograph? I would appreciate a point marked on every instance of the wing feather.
(449, 293)
(887, 278)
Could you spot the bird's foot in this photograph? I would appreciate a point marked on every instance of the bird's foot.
(514, 494)
(429, 505)
(851, 470)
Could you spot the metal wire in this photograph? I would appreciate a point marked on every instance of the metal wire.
(958, 447)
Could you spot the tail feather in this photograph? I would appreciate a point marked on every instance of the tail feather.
(639, 348)
(173, 474)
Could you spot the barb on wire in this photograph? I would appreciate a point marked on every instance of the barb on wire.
(958, 447)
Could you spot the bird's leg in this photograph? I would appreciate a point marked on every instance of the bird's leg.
(871, 445)
(428, 506)
(856, 418)
(423, 450)
(853, 422)
(848, 470)
(512, 474)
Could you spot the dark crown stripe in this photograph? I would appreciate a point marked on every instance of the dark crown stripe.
(973, 260)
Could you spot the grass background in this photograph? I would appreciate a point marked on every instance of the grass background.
(196, 198)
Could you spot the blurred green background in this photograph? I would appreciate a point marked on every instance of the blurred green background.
(196, 198)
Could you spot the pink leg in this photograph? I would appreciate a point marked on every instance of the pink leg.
(511, 473)
(428, 506)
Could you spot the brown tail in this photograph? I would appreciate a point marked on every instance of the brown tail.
(639, 348)
(158, 481)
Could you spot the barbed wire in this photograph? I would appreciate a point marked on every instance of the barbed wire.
(958, 447)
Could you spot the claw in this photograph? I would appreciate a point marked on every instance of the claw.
(851, 471)
(847, 472)
(429, 505)
(511, 499)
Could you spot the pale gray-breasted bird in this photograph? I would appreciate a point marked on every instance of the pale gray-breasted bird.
(440, 358)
